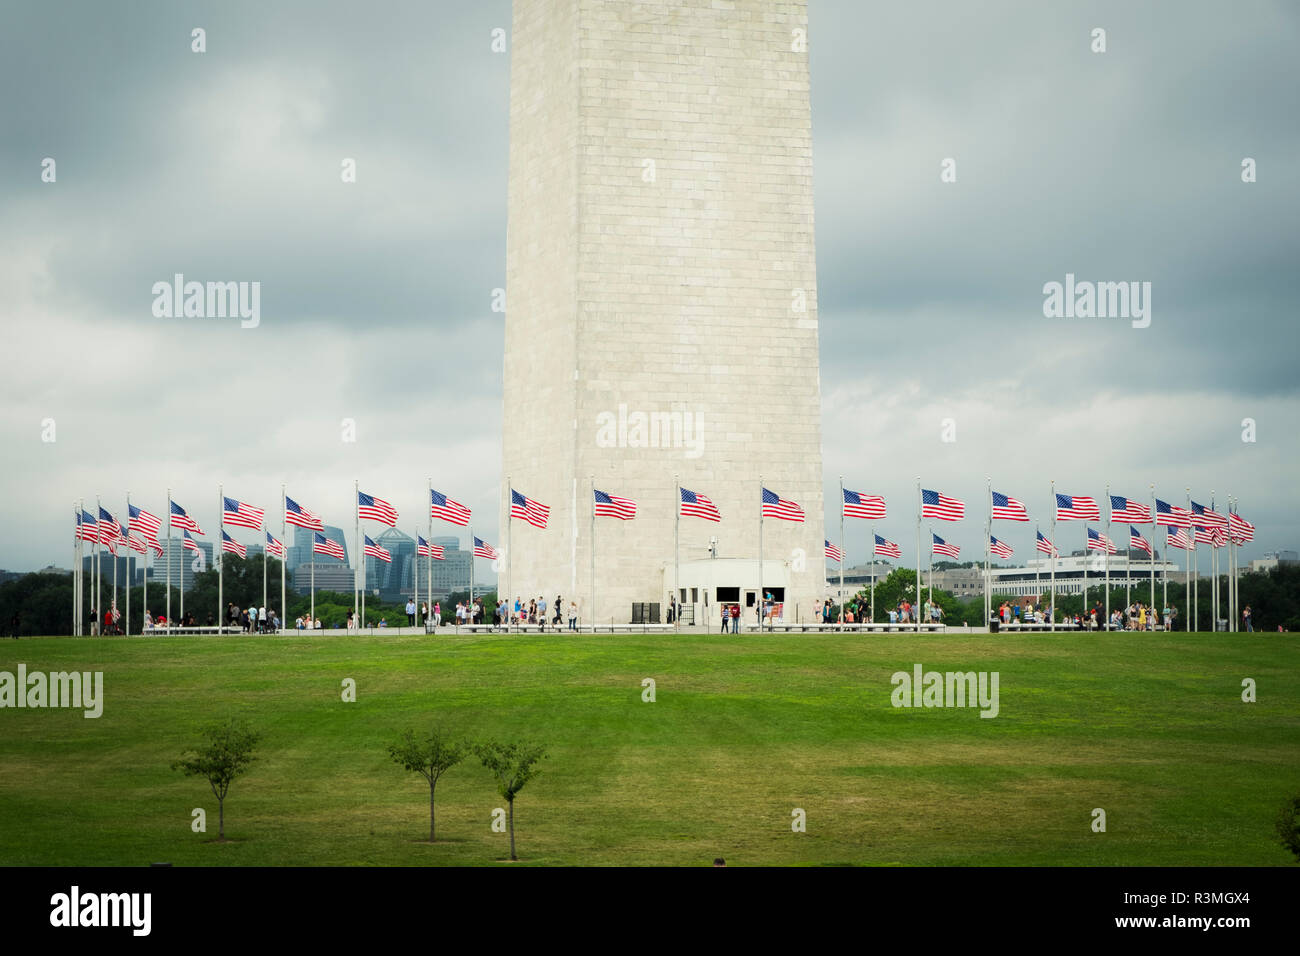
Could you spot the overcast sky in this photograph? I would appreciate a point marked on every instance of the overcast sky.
(1115, 166)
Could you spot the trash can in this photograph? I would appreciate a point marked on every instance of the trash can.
(994, 623)
(1221, 624)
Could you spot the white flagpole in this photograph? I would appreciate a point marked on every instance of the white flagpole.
(359, 556)
(1053, 555)
(872, 609)
(415, 568)
(510, 552)
(840, 602)
(96, 602)
(219, 557)
(930, 582)
(988, 554)
(312, 612)
(112, 549)
(762, 608)
(284, 558)
(144, 581)
(591, 612)
(170, 549)
(471, 572)
(1106, 551)
(428, 558)
(1192, 617)
(918, 553)
(1214, 576)
(76, 569)
(1128, 575)
(1152, 555)
(126, 629)
(266, 555)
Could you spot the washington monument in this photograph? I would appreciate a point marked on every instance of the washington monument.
(661, 303)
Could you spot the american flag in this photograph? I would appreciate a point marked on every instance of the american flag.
(1208, 517)
(273, 546)
(1000, 548)
(244, 515)
(323, 545)
(86, 529)
(1045, 546)
(887, 548)
(143, 522)
(295, 513)
(1127, 510)
(521, 506)
(234, 547)
(484, 550)
(137, 544)
(376, 509)
(1177, 538)
(857, 505)
(1008, 508)
(940, 546)
(1218, 537)
(1099, 542)
(426, 550)
(1240, 529)
(1172, 515)
(1202, 535)
(188, 543)
(698, 506)
(448, 510)
(612, 506)
(1136, 540)
(1076, 508)
(376, 551)
(774, 506)
(182, 520)
(834, 553)
(935, 505)
(155, 547)
(109, 529)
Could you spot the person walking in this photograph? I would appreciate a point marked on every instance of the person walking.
(559, 606)
(573, 616)
(1245, 617)
(410, 612)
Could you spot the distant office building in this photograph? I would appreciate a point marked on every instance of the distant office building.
(300, 553)
(1270, 561)
(183, 562)
(1035, 577)
(126, 567)
(329, 577)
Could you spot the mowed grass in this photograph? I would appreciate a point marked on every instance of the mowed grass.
(743, 730)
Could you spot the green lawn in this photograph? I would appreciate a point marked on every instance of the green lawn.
(744, 729)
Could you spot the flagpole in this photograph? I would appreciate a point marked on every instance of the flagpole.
(1232, 574)
(284, 558)
(471, 571)
(219, 557)
(1038, 588)
(1128, 575)
(428, 558)
(1214, 575)
(988, 560)
(76, 570)
(510, 554)
(112, 549)
(761, 601)
(415, 570)
(677, 546)
(591, 612)
(312, 613)
(840, 602)
(126, 630)
(1152, 554)
(1193, 622)
(266, 554)
(1053, 554)
(358, 568)
(918, 550)
(98, 602)
(169, 558)
(1109, 508)
(930, 583)
(873, 576)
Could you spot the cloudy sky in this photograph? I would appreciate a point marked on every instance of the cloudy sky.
(376, 295)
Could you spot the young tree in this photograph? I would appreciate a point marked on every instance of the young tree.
(514, 764)
(431, 757)
(225, 754)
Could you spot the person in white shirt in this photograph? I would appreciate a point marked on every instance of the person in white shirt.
(261, 619)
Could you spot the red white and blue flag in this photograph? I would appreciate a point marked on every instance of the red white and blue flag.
(241, 514)
(376, 550)
(935, 505)
(774, 506)
(1202, 534)
(137, 544)
(86, 529)
(887, 549)
(1177, 538)
(1136, 540)
(188, 543)
(484, 550)
(448, 510)
(1240, 529)
(534, 512)
(273, 546)
(1172, 515)
(1000, 548)
(1207, 517)
(376, 509)
(940, 546)
(234, 547)
(612, 506)
(323, 545)
(182, 520)
(109, 530)
(1008, 508)
(1099, 542)
(1127, 511)
(1076, 508)
(143, 523)
(1045, 546)
(697, 506)
(834, 553)
(295, 513)
(857, 505)
(426, 550)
